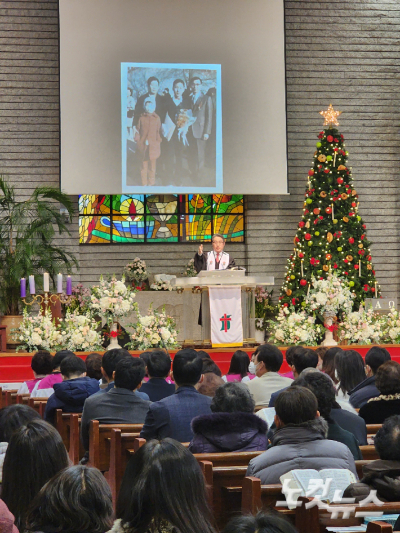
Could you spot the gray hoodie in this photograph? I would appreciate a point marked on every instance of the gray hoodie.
(300, 446)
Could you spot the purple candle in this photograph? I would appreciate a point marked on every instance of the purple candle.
(69, 286)
(23, 287)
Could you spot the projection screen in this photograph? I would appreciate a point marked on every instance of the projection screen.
(182, 96)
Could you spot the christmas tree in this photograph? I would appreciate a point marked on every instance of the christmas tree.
(331, 236)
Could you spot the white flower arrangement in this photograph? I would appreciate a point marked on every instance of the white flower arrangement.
(390, 325)
(361, 327)
(154, 330)
(136, 270)
(330, 296)
(190, 270)
(162, 282)
(79, 333)
(37, 332)
(294, 328)
(112, 299)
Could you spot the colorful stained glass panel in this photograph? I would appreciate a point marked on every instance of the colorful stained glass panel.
(230, 226)
(196, 203)
(162, 228)
(196, 228)
(94, 204)
(94, 230)
(228, 203)
(124, 230)
(128, 205)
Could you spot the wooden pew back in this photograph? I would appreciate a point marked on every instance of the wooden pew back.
(39, 404)
(369, 453)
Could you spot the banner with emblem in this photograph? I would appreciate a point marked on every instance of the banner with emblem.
(226, 316)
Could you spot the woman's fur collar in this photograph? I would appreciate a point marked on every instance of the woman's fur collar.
(228, 423)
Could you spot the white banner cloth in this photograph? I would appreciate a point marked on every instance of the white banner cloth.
(226, 316)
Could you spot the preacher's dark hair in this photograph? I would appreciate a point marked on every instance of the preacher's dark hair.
(388, 378)
(270, 355)
(72, 366)
(232, 398)
(129, 373)
(322, 387)
(34, 455)
(62, 354)
(93, 365)
(152, 78)
(187, 367)
(387, 439)
(328, 364)
(42, 363)
(158, 364)
(270, 522)
(375, 357)
(239, 363)
(178, 81)
(76, 500)
(296, 405)
(209, 367)
(305, 359)
(164, 482)
(111, 358)
(350, 369)
(13, 417)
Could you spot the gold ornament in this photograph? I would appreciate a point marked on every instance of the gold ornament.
(330, 116)
(344, 196)
(345, 219)
(289, 292)
(294, 240)
(315, 153)
(353, 192)
(341, 167)
(361, 246)
(305, 204)
(329, 236)
(307, 224)
(349, 257)
(322, 158)
(369, 267)
(322, 194)
(328, 257)
(326, 268)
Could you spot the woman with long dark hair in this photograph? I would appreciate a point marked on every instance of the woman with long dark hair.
(35, 454)
(163, 490)
(328, 364)
(239, 367)
(76, 500)
(349, 370)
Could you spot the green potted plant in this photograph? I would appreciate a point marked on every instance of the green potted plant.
(27, 233)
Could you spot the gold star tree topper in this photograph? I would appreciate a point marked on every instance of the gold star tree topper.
(330, 116)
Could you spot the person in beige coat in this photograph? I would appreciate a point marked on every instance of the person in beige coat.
(148, 139)
(268, 360)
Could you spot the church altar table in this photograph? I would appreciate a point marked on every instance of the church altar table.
(16, 367)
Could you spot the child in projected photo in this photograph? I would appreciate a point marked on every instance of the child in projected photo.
(148, 139)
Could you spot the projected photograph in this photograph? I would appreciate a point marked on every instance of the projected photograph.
(171, 128)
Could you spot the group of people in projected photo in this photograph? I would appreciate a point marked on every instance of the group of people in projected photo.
(171, 128)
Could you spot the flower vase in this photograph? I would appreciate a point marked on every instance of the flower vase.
(329, 340)
(114, 338)
(259, 336)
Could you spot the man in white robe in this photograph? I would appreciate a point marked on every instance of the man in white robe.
(217, 259)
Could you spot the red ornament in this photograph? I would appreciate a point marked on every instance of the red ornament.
(372, 289)
(351, 214)
(328, 210)
(335, 198)
(373, 272)
(311, 173)
(321, 134)
(326, 170)
(340, 181)
(351, 240)
(353, 204)
(321, 218)
(362, 236)
(346, 273)
(366, 288)
(306, 212)
(356, 267)
(286, 305)
(294, 301)
(329, 138)
(361, 252)
(345, 261)
(297, 239)
(335, 265)
(301, 224)
(301, 255)
(336, 149)
(303, 282)
(317, 211)
(307, 236)
(316, 221)
(336, 140)
(369, 258)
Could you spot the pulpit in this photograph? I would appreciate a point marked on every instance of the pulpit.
(229, 279)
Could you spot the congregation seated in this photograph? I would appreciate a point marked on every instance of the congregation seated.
(163, 490)
(302, 358)
(34, 455)
(158, 369)
(76, 500)
(289, 360)
(321, 351)
(93, 366)
(350, 421)
(12, 417)
(271, 522)
(172, 416)
(377, 409)
(367, 389)
(44, 388)
(382, 475)
(108, 365)
(322, 386)
(350, 371)
(268, 360)
(212, 378)
(120, 404)
(41, 365)
(299, 440)
(232, 426)
(239, 368)
(71, 393)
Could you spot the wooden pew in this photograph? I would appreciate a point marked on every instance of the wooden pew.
(228, 459)
(359, 466)
(368, 452)
(10, 397)
(23, 398)
(379, 527)
(68, 426)
(99, 442)
(372, 429)
(39, 404)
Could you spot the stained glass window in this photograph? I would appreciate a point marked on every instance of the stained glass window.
(121, 218)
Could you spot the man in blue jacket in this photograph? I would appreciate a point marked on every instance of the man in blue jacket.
(172, 416)
(158, 368)
(366, 390)
(71, 393)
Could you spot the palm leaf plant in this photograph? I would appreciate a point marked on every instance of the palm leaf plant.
(28, 229)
